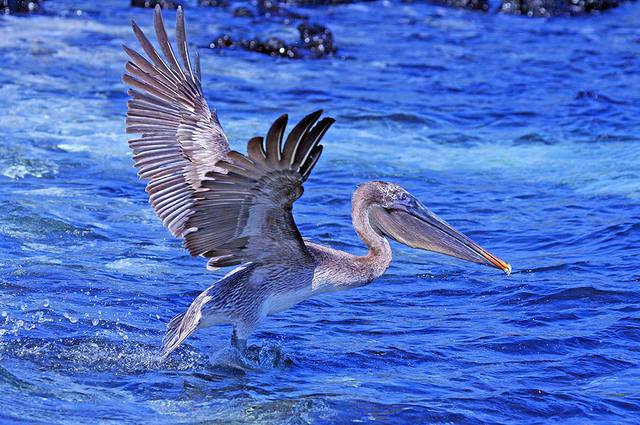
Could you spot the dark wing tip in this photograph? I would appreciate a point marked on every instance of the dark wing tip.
(311, 162)
(274, 138)
(277, 128)
(255, 150)
(297, 135)
(312, 139)
(322, 127)
(311, 118)
(328, 121)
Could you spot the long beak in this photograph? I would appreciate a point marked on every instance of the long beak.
(414, 225)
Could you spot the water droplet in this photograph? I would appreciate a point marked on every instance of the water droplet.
(70, 318)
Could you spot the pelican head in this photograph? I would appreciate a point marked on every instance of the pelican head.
(395, 213)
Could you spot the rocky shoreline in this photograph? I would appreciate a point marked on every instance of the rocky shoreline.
(20, 6)
(269, 8)
(316, 40)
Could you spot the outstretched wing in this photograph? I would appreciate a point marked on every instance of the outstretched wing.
(181, 138)
(245, 213)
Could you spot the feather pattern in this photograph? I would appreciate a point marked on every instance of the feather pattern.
(229, 207)
(181, 138)
(246, 213)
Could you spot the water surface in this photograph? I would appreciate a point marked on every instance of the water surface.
(522, 133)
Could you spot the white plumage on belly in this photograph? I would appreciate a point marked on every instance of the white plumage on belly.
(285, 300)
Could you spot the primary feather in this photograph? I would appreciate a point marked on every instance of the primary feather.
(181, 138)
(227, 206)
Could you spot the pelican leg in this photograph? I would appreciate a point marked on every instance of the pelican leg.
(238, 343)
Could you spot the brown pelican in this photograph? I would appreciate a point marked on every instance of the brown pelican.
(236, 209)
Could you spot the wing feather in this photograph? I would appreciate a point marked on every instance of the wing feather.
(181, 138)
(274, 140)
(165, 45)
(246, 213)
(183, 48)
(296, 134)
(310, 142)
(230, 207)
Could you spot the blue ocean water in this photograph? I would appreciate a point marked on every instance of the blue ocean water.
(522, 133)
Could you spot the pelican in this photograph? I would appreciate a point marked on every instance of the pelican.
(236, 209)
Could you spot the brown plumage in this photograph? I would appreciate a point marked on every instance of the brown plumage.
(181, 137)
(236, 209)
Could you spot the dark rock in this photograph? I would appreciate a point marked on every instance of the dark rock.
(214, 3)
(19, 6)
(268, 9)
(221, 42)
(272, 47)
(243, 12)
(165, 4)
(322, 2)
(317, 38)
(547, 8)
(315, 41)
(479, 5)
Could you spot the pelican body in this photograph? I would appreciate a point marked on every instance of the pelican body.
(236, 209)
